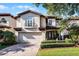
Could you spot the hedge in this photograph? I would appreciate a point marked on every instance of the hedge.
(58, 41)
(53, 41)
(56, 45)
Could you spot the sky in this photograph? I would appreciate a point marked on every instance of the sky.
(15, 8)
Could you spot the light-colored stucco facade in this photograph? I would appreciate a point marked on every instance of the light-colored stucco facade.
(10, 23)
(30, 34)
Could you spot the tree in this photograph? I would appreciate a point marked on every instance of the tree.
(64, 24)
(63, 28)
(64, 10)
(74, 32)
(60, 9)
(9, 37)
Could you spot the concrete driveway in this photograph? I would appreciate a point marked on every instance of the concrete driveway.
(20, 50)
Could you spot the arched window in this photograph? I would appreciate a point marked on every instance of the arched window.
(3, 20)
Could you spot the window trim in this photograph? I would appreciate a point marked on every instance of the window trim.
(49, 21)
(53, 22)
(27, 20)
(2, 21)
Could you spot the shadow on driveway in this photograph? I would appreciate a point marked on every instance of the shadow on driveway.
(15, 48)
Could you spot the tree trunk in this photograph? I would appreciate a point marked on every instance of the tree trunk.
(71, 38)
(76, 41)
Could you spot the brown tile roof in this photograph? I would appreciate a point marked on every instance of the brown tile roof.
(18, 29)
(7, 14)
(49, 28)
(16, 17)
(42, 28)
(52, 27)
(56, 17)
(22, 13)
(51, 16)
(74, 18)
(4, 26)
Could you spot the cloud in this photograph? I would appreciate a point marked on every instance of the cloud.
(3, 7)
(23, 7)
(27, 7)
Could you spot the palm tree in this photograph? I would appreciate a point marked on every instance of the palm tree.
(74, 32)
(63, 25)
(70, 28)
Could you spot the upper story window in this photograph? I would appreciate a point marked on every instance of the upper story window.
(51, 22)
(3, 20)
(29, 21)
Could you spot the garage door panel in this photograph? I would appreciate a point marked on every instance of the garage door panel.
(30, 37)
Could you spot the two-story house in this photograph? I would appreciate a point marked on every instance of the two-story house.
(28, 24)
(33, 27)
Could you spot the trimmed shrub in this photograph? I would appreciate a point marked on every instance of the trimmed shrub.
(58, 41)
(54, 41)
(56, 45)
(68, 41)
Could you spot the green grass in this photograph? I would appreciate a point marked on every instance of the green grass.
(71, 51)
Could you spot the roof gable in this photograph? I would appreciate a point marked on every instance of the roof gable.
(30, 11)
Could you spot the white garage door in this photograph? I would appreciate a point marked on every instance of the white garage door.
(29, 37)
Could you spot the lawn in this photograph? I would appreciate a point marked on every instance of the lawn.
(71, 51)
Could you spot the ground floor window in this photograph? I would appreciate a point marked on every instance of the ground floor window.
(51, 35)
